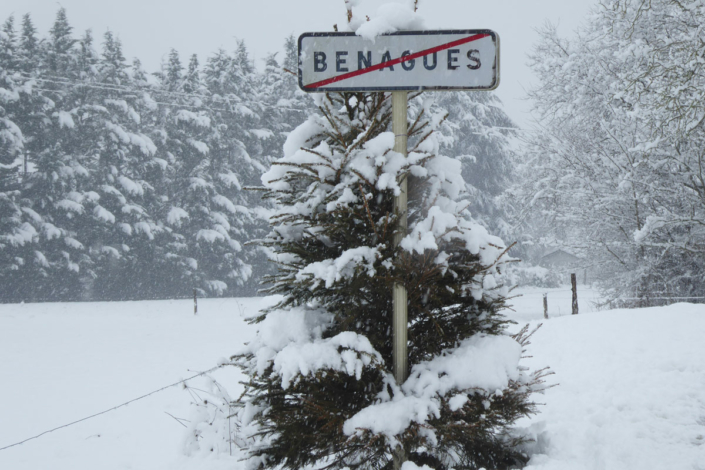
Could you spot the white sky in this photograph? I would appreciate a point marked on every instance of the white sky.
(150, 28)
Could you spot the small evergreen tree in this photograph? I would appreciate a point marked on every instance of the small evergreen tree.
(59, 49)
(87, 59)
(242, 58)
(173, 72)
(193, 81)
(320, 389)
(139, 76)
(29, 45)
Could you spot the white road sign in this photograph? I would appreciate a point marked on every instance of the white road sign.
(407, 60)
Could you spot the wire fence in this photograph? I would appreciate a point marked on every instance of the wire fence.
(653, 299)
(180, 382)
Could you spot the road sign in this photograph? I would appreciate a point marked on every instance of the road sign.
(406, 60)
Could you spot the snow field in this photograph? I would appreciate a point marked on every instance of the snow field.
(631, 391)
(63, 362)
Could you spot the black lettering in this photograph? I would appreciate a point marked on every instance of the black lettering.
(362, 61)
(407, 64)
(452, 59)
(319, 62)
(475, 60)
(386, 57)
(435, 62)
(340, 61)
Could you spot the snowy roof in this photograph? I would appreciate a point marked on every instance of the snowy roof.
(559, 258)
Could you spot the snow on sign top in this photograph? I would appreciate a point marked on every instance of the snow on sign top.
(405, 60)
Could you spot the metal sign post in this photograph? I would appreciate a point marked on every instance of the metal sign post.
(399, 63)
(400, 318)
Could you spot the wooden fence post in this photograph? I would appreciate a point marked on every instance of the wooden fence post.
(545, 306)
(195, 303)
(574, 286)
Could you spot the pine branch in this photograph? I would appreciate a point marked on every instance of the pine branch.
(367, 208)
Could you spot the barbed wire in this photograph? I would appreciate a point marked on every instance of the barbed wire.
(115, 407)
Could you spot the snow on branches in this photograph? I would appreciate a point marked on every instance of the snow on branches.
(339, 175)
(616, 168)
(320, 387)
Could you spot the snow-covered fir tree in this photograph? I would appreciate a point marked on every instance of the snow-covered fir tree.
(27, 256)
(18, 237)
(60, 45)
(53, 175)
(321, 390)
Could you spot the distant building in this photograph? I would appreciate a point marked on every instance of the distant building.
(559, 259)
(564, 263)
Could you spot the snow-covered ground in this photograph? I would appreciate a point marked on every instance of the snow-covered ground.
(631, 391)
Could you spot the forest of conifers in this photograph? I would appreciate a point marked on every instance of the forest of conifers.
(115, 186)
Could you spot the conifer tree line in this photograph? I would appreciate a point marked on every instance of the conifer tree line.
(116, 183)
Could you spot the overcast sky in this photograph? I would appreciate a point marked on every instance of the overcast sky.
(150, 28)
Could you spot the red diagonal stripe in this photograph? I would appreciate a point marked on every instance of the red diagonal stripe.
(396, 61)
